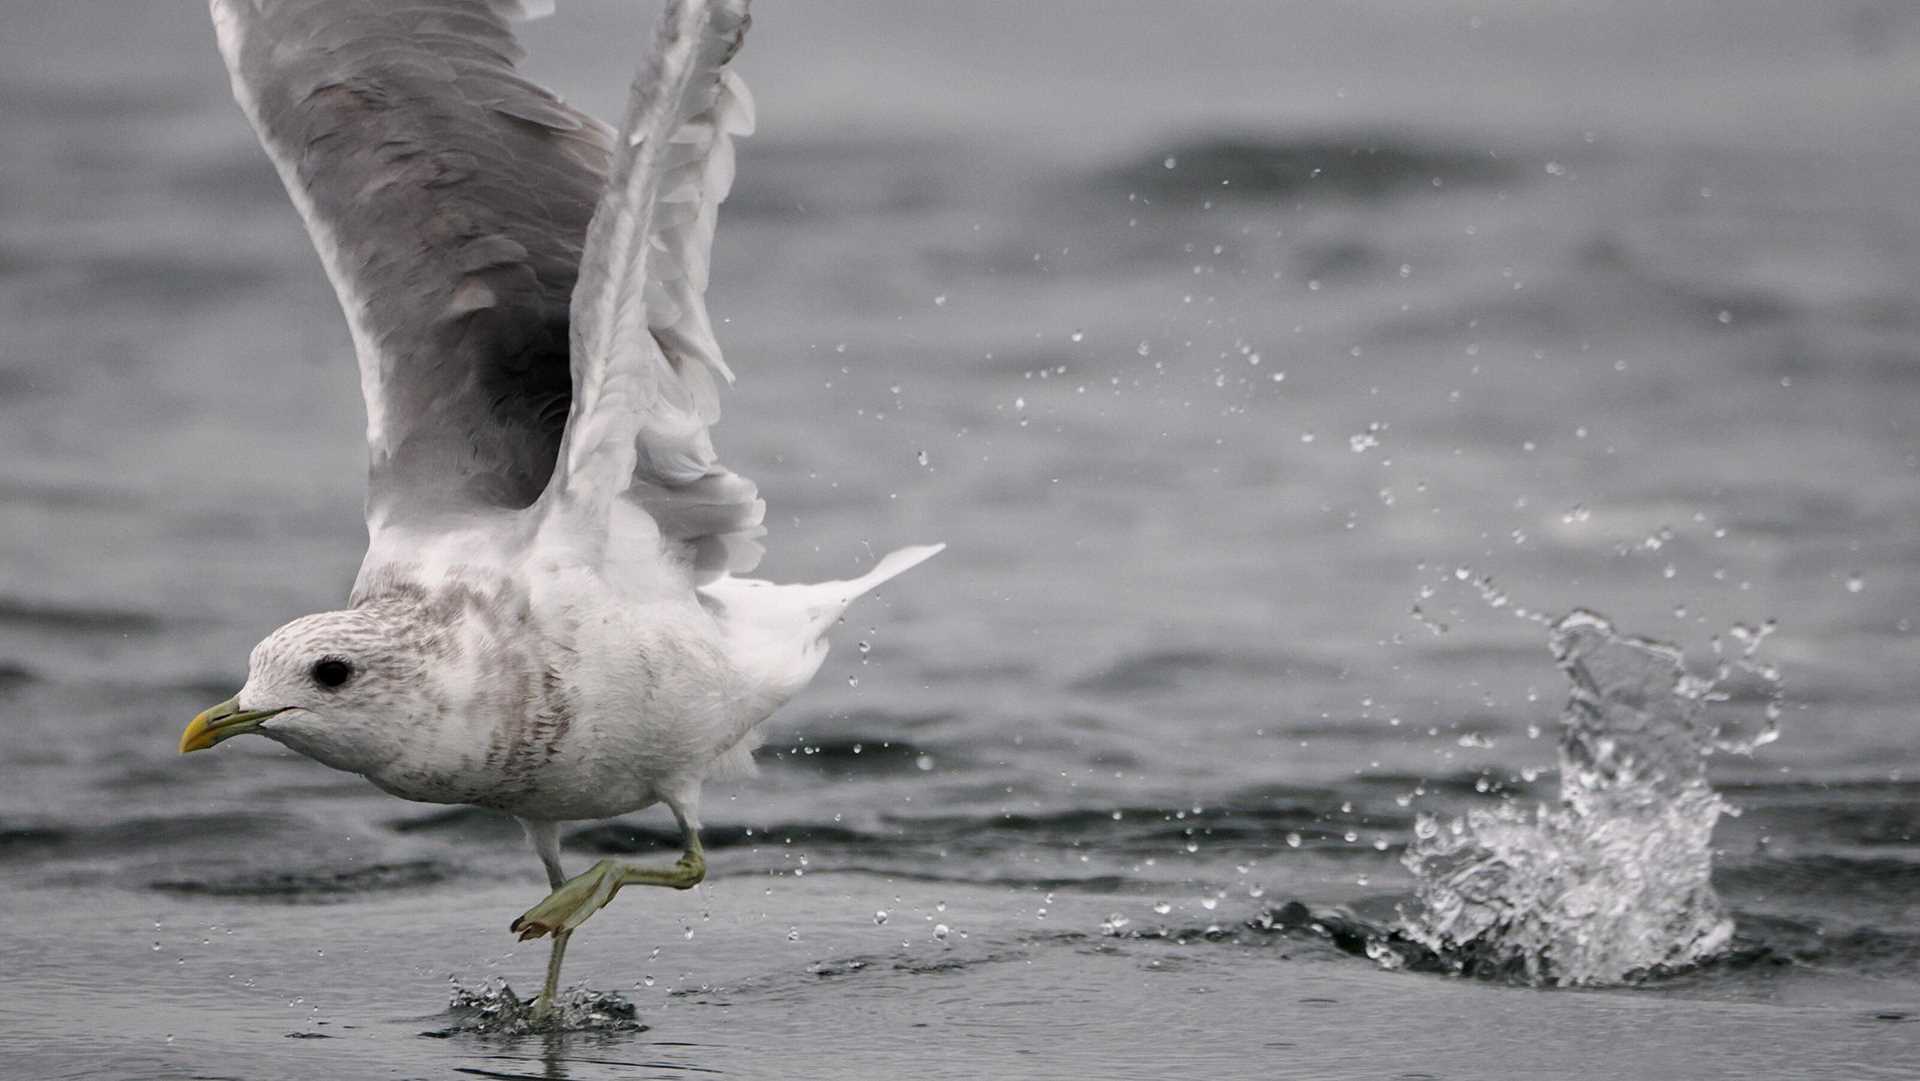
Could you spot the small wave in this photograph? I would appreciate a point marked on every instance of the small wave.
(14, 675)
(34, 840)
(1858, 879)
(471, 823)
(75, 618)
(1263, 826)
(316, 885)
(1356, 166)
(620, 838)
(58, 840)
(845, 754)
(1165, 669)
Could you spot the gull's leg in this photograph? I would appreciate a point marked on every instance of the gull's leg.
(571, 902)
(546, 842)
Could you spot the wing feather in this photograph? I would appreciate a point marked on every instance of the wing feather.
(646, 363)
(449, 198)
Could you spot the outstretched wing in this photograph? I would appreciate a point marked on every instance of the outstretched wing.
(645, 362)
(449, 199)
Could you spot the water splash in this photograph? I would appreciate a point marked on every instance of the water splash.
(1613, 883)
(493, 1009)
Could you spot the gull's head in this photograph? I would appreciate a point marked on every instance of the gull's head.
(339, 687)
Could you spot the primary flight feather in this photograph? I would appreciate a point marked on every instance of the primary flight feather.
(547, 621)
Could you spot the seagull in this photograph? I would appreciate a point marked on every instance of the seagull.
(550, 620)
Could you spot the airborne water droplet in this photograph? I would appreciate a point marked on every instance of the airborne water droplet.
(1161, 908)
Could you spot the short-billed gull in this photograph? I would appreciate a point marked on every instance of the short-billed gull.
(548, 621)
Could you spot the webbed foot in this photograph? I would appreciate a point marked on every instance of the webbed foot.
(568, 906)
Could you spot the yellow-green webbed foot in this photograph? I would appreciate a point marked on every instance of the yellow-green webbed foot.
(569, 905)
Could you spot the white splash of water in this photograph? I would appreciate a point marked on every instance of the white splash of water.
(1613, 882)
(494, 1009)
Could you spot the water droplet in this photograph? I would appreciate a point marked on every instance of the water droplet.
(1293, 840)
(880, 917)
(940, 301)
(1161, 908)
(1171, 162)
(1145, 348)
(941, 931)
(1209, 903)
(1077, 336)
(923, 763)
(1855, 583)
(853, 681)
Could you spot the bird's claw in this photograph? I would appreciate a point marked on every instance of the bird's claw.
(528, 929)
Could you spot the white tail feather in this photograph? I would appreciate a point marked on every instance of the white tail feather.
(777, 634)
(831, 599)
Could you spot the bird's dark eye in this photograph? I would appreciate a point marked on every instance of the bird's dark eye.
(331, 671)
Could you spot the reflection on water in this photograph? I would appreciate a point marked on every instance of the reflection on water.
(1614, 882)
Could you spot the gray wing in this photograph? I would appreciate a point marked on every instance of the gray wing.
(449, 199)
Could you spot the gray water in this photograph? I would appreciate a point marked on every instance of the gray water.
(1276, 373)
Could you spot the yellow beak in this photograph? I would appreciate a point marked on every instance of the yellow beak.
(221, 722)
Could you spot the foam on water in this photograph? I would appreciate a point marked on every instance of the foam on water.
(1613, 882)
